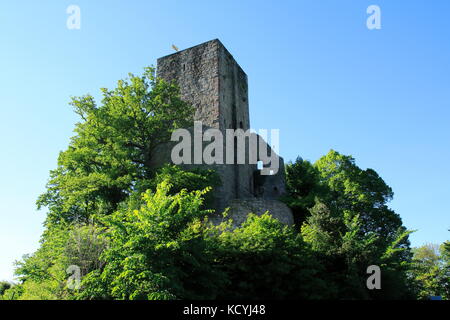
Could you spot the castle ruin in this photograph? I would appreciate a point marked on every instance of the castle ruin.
(212, 81)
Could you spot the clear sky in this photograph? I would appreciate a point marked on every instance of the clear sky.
(315, 71)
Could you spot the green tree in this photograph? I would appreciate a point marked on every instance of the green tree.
(265, 259)
(4, 285)
(351, 227)
(431, 270)
(164, 248)
(361, 192)
(108, 159)
(152, 253)
(43, 275)
(190, 180)
(302, 182)
(12, 293)
(445, 254)
(110, 156)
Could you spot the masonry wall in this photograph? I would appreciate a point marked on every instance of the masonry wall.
(234, 114)
(211, 80)
(196, 71)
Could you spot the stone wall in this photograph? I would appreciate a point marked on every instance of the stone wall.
(240, 208)
(196, 71)
(212, 81)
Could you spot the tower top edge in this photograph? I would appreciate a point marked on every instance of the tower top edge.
(220, 45)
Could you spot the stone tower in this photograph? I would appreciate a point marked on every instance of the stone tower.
(211, 80)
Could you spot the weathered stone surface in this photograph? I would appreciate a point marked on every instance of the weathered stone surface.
(211, 80)
(240, 208)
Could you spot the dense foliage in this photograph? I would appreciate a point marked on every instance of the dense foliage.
(431, 270)
(4, 286)
(118, 228)
(342, 211)
(164, 249)
(111, 154)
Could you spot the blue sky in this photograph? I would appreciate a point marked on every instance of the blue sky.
(315, 72)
